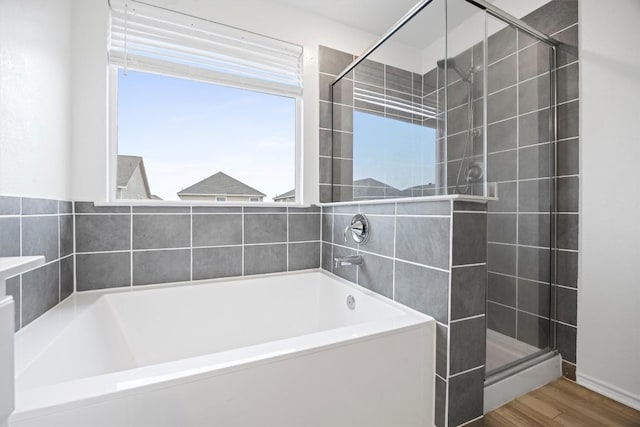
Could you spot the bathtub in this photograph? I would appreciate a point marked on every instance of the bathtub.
(272, 350)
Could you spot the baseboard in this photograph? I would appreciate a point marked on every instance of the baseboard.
(609, 390)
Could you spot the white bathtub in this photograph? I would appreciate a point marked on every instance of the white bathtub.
(274, 350)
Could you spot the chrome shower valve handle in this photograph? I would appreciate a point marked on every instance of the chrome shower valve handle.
(359, 229)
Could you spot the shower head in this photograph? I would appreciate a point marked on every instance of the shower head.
(451, 63)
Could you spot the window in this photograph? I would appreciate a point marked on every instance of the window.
(204, 112)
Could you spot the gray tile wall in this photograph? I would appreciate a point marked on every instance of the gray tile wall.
(430, 256)
(31, 226)
(127, 246)
(520, 301)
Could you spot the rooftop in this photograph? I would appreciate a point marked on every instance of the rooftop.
(221, 184)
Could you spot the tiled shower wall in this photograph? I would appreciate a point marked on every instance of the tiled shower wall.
(29, 227)
(127, 246)
(430, 256)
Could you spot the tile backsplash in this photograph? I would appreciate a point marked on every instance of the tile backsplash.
(31, 226)
(139, 245)
(90, 247)
(430, 256)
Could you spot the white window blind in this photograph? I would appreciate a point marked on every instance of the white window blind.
(150, 38)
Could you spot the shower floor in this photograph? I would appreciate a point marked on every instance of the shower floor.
(502, 350)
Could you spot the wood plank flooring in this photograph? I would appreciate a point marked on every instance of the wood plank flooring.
(563, 403)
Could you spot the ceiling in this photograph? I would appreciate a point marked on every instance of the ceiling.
(378, 16)
(371, 16)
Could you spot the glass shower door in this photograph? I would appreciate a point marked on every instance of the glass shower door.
(520, 166)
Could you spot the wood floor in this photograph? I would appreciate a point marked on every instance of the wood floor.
(562, 403)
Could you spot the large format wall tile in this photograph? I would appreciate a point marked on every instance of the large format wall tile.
(40, 291)
(265, 228)
(161, 231)
(32, 227)
(40, 236)
(9, 205)
(217, 230)
(163, 266)
(423, 240)
(259, 259)
(10, 236)
(304, 256)
(103, 270)
(98, 233)
(377, 274)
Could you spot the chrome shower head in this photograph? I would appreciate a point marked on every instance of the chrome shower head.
(451, 63)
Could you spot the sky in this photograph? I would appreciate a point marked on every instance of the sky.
(397, 153)
(187, 131)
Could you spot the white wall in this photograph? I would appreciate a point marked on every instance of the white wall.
(35, 118)
(90, 158)
(89, 100)
(609, 279)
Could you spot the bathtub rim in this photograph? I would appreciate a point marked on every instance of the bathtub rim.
(45, 400)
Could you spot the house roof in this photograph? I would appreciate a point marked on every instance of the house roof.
(127, 165)
(287, 195)
(370, 182)
(221, 184)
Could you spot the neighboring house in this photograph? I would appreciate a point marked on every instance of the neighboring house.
(220, 187)
(132, 179)
(370, 188)
(420, 190)
(288, 197)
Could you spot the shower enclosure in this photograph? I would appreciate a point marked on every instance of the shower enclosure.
(459, 98)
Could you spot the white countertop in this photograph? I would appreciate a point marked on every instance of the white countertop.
(10, 266)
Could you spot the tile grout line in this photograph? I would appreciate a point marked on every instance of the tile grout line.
(191, 243)
(59, 256)
(185, 248)
(449, 295)
(475, 368)
(21, 254)
(393, 261)
(242, 273)
(131, 247)
(73, 231)
(517, 236)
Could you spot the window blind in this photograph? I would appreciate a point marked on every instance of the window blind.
(150, 38)
(373, 98)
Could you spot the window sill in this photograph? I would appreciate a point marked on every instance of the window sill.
(456, 197)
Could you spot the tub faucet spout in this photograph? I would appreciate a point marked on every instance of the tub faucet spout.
(348, 260)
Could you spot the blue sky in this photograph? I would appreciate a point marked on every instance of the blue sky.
(397, 153)
(187, 130)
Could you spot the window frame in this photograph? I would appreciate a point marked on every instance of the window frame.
(112, 142)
